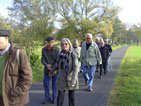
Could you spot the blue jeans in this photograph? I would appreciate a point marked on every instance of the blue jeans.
(88, 72)
(46, 82)
(108, 63)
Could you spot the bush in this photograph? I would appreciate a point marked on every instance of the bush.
(37, 67)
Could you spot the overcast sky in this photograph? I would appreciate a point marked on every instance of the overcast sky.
(130, 12)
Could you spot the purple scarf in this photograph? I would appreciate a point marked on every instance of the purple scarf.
(63, 61)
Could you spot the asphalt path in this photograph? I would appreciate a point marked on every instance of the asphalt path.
(101, 87)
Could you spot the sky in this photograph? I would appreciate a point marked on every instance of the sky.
(3, 7)
(129, 14)
(130, 11)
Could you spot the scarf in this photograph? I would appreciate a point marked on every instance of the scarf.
(49, 49)
(63, 61)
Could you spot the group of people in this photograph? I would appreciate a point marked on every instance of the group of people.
(60, 66)
(63, 67)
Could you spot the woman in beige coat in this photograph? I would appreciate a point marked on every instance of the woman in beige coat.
(67, 68)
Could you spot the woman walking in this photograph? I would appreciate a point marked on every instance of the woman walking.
(67, 69)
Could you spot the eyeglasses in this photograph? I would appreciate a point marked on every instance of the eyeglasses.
(64, 44)
(50, 41)
(88, 38)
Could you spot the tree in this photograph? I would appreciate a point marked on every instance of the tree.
(85, 16)
(119, 31)
(34, 21)
(136, 32)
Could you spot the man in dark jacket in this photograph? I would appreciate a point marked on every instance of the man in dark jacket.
(49, 58)
(15, 73)
(104, 54)
(110, 52)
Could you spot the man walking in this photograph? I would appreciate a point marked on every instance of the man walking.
(49, 58)
(110, 52)
(90, 55)
(15, 73)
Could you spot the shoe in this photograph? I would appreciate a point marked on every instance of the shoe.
(90, 88)
(86, 82)
(96, 71)
(101, 77)
(104, 73)
(46, 101)
(53, 101)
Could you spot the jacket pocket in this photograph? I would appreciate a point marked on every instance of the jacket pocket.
(13, 69)
(14, 96)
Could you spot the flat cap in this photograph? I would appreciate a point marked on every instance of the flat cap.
(4, 32)
(49, 38)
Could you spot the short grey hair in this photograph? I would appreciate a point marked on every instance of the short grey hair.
(97, 38)
(69, 42)
(75, 41)
(89, 34)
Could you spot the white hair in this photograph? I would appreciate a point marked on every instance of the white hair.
(69, 42)
(89, 34)
(97, 38)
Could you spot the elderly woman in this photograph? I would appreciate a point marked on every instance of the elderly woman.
(67, 69)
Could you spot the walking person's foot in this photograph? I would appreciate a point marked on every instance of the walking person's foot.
(90, 88)
(100, 77)
(46, 101)
(53, 101)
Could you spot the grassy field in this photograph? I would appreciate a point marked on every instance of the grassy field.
(127, 85)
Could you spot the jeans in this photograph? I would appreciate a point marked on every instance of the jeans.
(108, 63)
(46, 83)
(88, 72)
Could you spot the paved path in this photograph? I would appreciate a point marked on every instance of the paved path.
(101, 87)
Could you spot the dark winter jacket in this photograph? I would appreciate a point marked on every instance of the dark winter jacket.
(49, 58)
(104, 53)
(109, 47)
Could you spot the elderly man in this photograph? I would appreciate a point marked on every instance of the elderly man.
(49, 58)
(77, 51)
(15, 73)
(90, 55)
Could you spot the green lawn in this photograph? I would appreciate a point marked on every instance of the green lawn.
(127, 85)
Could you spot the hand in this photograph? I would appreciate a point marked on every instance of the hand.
(73, 85)
(52, 74)
(49, 66)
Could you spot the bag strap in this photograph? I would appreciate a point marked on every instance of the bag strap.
(18, 57)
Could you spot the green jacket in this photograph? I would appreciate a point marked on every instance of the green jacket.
(90, 56)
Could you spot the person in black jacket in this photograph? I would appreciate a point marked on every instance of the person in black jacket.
(104, 54)
(110, 52)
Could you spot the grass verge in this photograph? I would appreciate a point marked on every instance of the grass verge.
(127, 85)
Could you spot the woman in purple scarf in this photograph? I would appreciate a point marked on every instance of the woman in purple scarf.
(67, 69)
